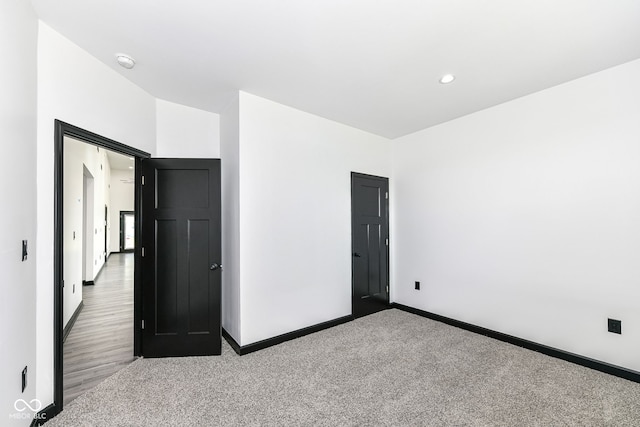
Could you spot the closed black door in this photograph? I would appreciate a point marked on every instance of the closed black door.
(370, 243)
(181, 254)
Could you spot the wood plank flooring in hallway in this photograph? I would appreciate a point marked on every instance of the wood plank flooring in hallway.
(101, 341)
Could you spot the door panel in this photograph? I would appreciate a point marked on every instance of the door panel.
(182, 188)
(375, 251)
(181, 241)
(198, 272)
(370, 231)
(166, 277)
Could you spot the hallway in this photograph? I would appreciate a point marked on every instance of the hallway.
(101, 341)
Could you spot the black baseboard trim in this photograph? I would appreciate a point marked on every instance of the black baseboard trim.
(44, 415)
(597, 365)
(93, 282)
(233, 343)
(100, 271)
(269, 342)
(72, 321)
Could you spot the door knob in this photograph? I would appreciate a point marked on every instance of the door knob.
(357, 255)
(215, 266)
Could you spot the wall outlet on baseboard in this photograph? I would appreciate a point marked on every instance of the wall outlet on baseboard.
(417, 286)
(614, 326)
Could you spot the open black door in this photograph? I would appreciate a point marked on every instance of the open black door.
(370, 243)
(181, 253)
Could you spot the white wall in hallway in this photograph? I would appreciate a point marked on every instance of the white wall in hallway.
(295, 215)
(523, 218)
(77, 157)
(106, 202)
(18, 46)
(78, 89)
(186, 132)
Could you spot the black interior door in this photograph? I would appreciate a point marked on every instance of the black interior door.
(370, 243)
(181, 253)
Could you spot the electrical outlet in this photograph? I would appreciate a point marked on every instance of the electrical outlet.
(417, 286)
(24, 378)
(614, 326)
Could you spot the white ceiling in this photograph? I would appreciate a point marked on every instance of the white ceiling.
(371, 64)
(119, 161)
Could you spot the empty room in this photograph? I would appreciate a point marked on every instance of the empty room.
(340, 212)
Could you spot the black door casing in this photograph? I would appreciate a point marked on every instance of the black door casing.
(181, 282)
(369, 243)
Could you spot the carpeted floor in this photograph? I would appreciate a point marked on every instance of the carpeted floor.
(388, 369)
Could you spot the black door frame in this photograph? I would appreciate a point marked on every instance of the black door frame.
(121, 233)
(363, 175)
(62, 129)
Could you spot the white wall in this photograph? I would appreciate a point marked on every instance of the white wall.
(186, 132)
(106, 188)
(73, 226)
(122, 196)
(77, 156)
(523, 218)
(78, 89)
(18, 38)
(295, 215)
(230, 195)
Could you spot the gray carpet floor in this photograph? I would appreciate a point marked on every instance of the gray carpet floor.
(388, 369)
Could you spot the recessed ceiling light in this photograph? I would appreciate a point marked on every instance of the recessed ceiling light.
(447, 78)
(125, 61)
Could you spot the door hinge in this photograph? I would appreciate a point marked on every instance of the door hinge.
(387, 288)
(386, 195)
(142, 323)
(386, 242)
(143, 252)
(142, 179)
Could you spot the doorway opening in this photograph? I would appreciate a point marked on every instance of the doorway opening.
(106, 232)
(369, 243)
(81, 243)
(127, 231)
(88, 203)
